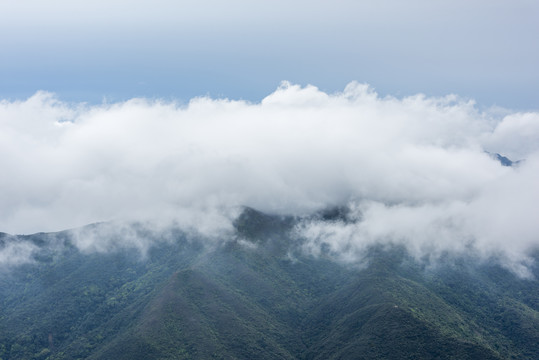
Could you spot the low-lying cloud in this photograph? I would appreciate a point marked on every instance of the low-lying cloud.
(416, 170)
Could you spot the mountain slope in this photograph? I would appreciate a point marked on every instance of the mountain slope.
(255, 295)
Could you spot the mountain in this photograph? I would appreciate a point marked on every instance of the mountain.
(504, 161)
(255, 295)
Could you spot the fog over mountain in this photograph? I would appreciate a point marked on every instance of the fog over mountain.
(416, 171)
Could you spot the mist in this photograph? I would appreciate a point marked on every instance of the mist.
(415, 171)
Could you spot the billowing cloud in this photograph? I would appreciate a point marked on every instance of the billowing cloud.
(516, 135)
(414, 169)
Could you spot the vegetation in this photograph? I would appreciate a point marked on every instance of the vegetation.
(186, 300)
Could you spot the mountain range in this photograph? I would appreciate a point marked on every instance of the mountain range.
(254, 294)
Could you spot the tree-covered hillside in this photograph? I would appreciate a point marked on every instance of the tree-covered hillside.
(255, 295)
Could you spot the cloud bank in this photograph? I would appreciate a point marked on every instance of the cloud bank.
(414, 169)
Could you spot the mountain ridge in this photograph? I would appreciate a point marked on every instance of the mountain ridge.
(247, 296)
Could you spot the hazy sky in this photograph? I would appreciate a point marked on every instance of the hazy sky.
(114, 50)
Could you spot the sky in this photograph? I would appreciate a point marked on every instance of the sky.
(183, 112)
(95, 51)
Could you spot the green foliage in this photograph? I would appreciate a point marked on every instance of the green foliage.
(187, 301)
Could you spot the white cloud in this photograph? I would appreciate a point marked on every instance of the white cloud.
(415, 167)
(17, 253)
(516, 135)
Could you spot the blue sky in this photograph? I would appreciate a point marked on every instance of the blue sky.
(115, 50)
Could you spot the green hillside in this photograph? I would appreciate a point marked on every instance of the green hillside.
(246, 297)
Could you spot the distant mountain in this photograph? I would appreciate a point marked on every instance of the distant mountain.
(254, 295)
(505, 161)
